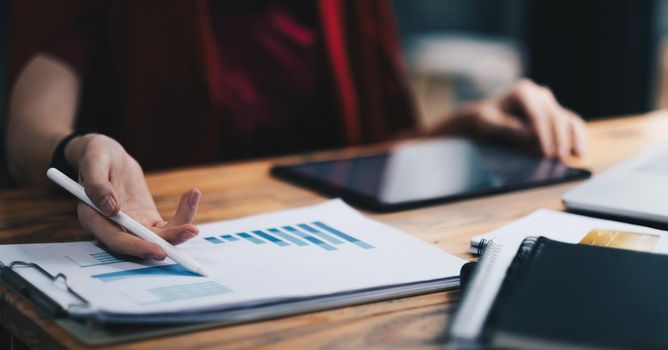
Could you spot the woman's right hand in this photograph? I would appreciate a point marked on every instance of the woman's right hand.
(114, 181)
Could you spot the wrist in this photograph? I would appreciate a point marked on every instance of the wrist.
(75, 148)
(65, 156)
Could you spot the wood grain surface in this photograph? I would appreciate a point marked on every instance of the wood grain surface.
(239, 189)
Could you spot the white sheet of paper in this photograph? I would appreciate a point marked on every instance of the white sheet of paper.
(564, 227)
(319, 250)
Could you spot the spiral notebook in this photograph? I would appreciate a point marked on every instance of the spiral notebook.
(557, 295)
(269, 265)
(498, 248)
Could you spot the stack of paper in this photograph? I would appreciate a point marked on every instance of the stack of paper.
(293, 261)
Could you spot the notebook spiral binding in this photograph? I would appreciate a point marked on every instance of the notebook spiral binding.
(481, 246)
(83, 303)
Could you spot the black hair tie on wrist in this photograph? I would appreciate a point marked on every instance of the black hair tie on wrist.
(58, 160)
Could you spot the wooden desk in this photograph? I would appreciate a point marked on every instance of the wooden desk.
(234, 190)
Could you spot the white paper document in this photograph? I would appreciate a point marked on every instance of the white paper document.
(564, 227)
(328, 254)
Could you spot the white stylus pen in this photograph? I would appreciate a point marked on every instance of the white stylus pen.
(126, 221)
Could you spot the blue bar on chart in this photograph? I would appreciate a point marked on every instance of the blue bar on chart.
(160, 270)
(104, 258)
(229, 238)
(214, 240)
(342, 235)
(270, 238)
(287, 237)
(187, 291)
(250, 238)
(96, 259)
(311, 239)
(322, 235)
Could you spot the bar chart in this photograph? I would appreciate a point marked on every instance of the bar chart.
(314, 234)
(186, 291)
(97, 259)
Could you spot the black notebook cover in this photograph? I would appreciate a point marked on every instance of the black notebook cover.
(559, 295)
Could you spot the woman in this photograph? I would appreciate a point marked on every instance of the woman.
(166, 83)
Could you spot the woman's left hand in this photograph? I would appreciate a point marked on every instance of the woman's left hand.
(527, 115)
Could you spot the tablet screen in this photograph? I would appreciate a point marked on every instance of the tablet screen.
(427, 171)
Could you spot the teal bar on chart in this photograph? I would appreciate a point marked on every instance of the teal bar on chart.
(229, 238)
(287, 237)
(103, 258)
(250, 238)
(214, 240)
(270, 238)
(311, 239)
(320, 234)
(342, 235)
(160, 270)
(188, 291)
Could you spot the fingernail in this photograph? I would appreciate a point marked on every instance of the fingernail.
(186, 236)
(194, 199)
(108, 205)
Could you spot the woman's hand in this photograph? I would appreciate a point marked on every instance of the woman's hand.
(115, 181)
(527, 115)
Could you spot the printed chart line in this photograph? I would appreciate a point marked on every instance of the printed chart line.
(160, 270)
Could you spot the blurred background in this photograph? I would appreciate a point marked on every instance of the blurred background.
(600, 57)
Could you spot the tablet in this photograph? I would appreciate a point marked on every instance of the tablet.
(427, 172)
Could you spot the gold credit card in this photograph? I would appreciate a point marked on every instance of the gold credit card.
(643, 242)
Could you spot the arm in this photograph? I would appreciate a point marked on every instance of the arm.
(42, 112)
(42, 109)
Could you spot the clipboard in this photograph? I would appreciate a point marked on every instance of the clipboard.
(163, 300)
(90, 332)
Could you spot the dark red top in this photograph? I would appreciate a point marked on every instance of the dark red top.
(186, 82)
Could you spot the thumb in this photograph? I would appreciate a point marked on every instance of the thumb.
(94, 172)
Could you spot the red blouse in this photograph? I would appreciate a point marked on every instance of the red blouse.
(186, 82)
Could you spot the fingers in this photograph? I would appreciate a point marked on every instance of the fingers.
(177, 234)
(94, 170)
(569, 129)
(531, 101)
(180, 228)
(560, 125)
(187, 209)
(558, 131)
(578, 130)
(511, 128)
(496, 123)
(115, 238)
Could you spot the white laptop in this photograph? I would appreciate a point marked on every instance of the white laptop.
(635, 189)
